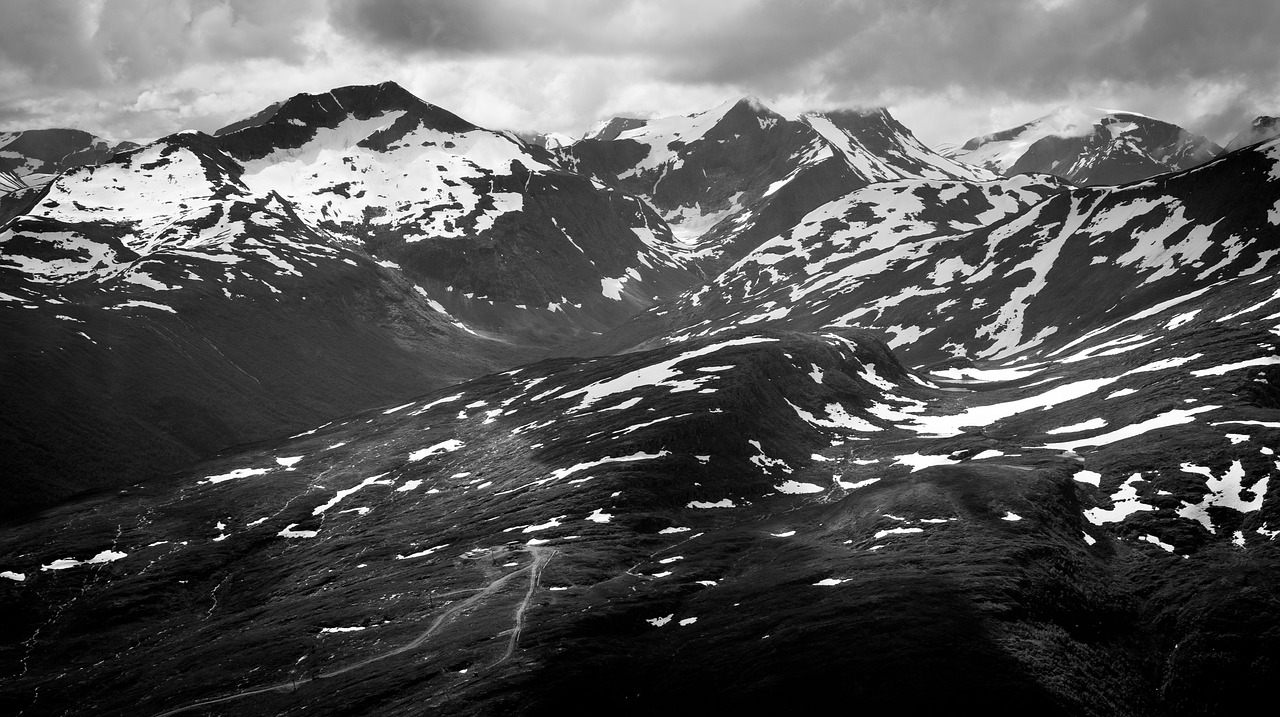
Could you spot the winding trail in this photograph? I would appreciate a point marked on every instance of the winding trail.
(535, 575)
(541, 556)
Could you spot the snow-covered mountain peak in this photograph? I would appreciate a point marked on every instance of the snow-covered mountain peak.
(1077, 120)
(1089, 145)
(360, 101)
(736, 174)
(1260, 129)
(31, 158)
(298, 120)
(683, 128)
(1000, 150)
(378, 153)
(609, 129)
(866, 112)
(880, 148)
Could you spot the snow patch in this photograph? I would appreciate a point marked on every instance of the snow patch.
(448, 446)
(289, 532)
(723, 503)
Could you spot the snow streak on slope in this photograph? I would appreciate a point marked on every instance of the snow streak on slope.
(844, 250)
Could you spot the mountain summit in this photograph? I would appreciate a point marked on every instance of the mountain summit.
(1089, 146)
(730, 177)
(1260, 130)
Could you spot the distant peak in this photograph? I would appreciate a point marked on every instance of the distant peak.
(872, 111)
(610, 129)
(755, 104)
(1084, 117)
(1260, 129)
(358, 101)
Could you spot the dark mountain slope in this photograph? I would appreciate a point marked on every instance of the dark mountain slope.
(1069, 540)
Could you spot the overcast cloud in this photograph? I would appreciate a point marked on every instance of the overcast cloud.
(949, 69)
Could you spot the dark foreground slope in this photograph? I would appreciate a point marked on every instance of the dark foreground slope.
(745, 523)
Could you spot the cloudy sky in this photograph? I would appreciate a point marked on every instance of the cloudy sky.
(949, 69)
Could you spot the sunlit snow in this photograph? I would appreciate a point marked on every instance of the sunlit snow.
(1225, 491)
(919, 461)
(448, 446)
(237, 473)
(1124, 503)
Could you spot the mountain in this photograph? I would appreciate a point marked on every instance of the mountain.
(731, 177)
(991, 270)
(485, 222)
(1089, 146)
(1260, 130)
(32, 157)
(158, 311)
(546, 140)
(194, 293)
(941, 440)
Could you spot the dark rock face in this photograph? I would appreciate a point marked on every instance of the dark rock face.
(1090, 147)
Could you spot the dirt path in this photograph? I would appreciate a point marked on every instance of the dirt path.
(541, 555)
(540, 558)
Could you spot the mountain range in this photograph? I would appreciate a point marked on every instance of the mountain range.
(355, 407)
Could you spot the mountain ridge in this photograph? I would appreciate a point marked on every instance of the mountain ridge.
(727, 178)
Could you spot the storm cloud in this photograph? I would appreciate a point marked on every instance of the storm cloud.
(949, 69)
